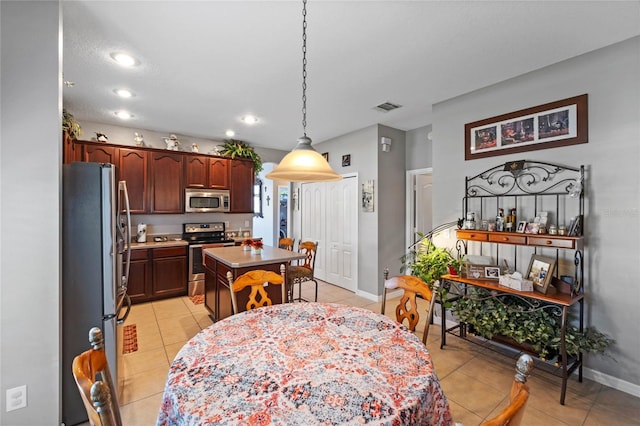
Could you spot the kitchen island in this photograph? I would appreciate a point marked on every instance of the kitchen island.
(219, 260)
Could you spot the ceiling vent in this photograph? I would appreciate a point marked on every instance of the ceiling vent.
(387, 106)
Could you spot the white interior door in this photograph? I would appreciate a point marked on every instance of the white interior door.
(342, 214)
(313, 218)
(329, 215)
(419, 205)
(423, 209)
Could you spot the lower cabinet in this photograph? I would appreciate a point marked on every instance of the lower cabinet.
(157, 273)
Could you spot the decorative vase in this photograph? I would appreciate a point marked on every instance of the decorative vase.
(256, 251)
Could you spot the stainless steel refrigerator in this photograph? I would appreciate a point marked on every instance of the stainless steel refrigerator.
(95, 267)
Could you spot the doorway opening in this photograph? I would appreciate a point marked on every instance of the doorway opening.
(419, 205)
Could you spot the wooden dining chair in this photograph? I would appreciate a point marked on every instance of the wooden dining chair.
(286, 243)
(256, 280)
(301, 273)
(512, 414)
(98, 395)
(407, 308)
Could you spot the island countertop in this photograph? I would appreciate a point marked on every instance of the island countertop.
(237, 257)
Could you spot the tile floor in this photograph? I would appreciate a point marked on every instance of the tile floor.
(475, 380)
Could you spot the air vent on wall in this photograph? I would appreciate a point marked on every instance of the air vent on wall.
(387, 106)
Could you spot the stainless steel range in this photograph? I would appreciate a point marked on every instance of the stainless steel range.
(198, 234)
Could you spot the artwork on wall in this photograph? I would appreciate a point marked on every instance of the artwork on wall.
(551, 125)
(346, 160)
(367, 196)
(325, 155)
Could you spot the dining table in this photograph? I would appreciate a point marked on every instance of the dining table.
(304, 364)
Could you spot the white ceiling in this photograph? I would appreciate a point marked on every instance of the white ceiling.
(204, 64)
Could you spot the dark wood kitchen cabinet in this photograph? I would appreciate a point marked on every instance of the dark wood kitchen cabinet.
(133, 169)
(139, 285)
(169, 270)
(157, 273)
(166, 187)
(241, 186)
(206, 172)
(99, 154)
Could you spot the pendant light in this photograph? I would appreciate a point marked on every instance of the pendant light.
(304, 163)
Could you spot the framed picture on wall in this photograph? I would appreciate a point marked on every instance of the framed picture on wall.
(550, 125)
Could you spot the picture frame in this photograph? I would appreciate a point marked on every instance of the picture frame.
(346, 160)
(492, 272)
(325, 155)
(550, 125)
(367, 196)
(522, 225)
(540, 272)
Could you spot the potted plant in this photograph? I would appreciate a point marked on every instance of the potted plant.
(70, 126)
(510, 320)
(256, 247)
(429, 262)
(234, 148)
(246, 244)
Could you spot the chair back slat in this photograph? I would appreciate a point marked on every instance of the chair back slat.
(256, 280)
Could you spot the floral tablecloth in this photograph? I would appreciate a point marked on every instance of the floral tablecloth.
(304, 364)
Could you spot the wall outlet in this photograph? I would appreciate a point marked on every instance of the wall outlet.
(246, 224)
(226, 224)
(16, 398)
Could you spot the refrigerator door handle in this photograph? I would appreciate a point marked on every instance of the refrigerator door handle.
(126, 224)
(127, 301)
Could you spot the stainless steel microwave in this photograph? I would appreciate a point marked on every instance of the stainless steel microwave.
(206, 200)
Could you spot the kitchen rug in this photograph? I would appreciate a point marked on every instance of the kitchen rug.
(130, 339)
(197, 299)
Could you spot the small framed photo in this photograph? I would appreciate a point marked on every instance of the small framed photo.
(522, 225)
(492, 272)
(346, 160)
(532, 228)
(540, 272)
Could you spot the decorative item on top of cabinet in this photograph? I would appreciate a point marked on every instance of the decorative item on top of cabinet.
(70, 126)
(138, 139)
(233, 148)
(101, 137)
(172, 142)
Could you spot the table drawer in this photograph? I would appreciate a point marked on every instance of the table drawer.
(569, 243)
(471, 235)
(507, 239)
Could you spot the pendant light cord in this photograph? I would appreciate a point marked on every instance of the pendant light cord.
(304, 67)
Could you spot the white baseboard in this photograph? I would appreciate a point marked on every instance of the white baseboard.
(612, 382)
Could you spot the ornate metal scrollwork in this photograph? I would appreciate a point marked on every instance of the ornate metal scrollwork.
(533, 178)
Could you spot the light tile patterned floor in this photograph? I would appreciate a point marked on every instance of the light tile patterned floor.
(475, 380)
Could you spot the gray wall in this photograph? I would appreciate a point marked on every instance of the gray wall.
(610, 77)
(30, 176)
(418, 152)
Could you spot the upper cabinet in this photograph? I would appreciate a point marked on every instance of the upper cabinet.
(241, 186)
(167, 190)
(206, 172)
(133, 168)
(156, 178)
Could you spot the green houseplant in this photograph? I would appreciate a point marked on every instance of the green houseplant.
(429, 262)
(70, 125)
(539, 329)
(235, 148)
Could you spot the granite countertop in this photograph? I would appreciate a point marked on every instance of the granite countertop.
(154, 244)
(237, 257)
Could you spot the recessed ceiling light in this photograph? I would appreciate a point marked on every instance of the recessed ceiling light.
(124, 59)
(123, 93)
(124, 115)
(230, 133)
(249, 119)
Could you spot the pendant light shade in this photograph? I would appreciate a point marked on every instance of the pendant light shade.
(304, 164)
